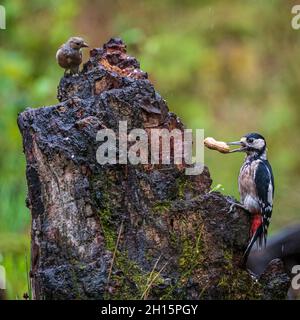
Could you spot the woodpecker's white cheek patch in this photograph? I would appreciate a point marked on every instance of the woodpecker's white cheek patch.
(259, 144)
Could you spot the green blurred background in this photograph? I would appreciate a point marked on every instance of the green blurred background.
(230, 67)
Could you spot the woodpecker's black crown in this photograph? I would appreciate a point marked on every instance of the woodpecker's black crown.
(254, 143)
(253, 136)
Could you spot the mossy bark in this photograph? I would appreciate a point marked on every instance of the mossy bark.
(177, 238)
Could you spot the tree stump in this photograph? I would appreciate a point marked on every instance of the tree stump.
(124, 231)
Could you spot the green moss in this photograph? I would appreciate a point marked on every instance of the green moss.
(182, 184)
(104, 184)
(110, 235)
(130, 282)
(173, 239)
(75, 289)
(192, 253)
(236, 283)
(161, 206)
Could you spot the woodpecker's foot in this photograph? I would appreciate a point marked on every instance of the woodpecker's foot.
(231, 208)
(232, 205)
(238, 205)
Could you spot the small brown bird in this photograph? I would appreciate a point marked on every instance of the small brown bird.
(69, 55)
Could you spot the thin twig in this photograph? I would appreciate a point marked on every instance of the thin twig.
(151, 282)
(114, 254)
(153, 269)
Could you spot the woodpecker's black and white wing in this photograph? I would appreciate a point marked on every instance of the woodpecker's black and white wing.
(264, 182)
(264, 185)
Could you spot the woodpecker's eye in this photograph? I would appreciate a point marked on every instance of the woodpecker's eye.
(250, 140)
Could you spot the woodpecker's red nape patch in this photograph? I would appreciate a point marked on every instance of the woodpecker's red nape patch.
(256, 223)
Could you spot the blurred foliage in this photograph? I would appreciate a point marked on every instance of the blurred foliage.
(28, 78)
(229, 67)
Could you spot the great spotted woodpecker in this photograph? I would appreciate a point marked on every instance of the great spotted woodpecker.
(256, 187)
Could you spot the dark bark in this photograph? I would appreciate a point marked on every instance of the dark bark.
(169, 220)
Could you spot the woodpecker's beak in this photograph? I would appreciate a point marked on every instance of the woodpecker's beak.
(85, 45)
(237, 143)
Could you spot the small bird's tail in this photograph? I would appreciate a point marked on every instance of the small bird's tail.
(258, 232)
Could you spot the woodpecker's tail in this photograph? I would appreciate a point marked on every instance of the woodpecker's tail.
(258, 232)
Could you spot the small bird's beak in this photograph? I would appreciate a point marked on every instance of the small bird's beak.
(237, 143)
(85, 45)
